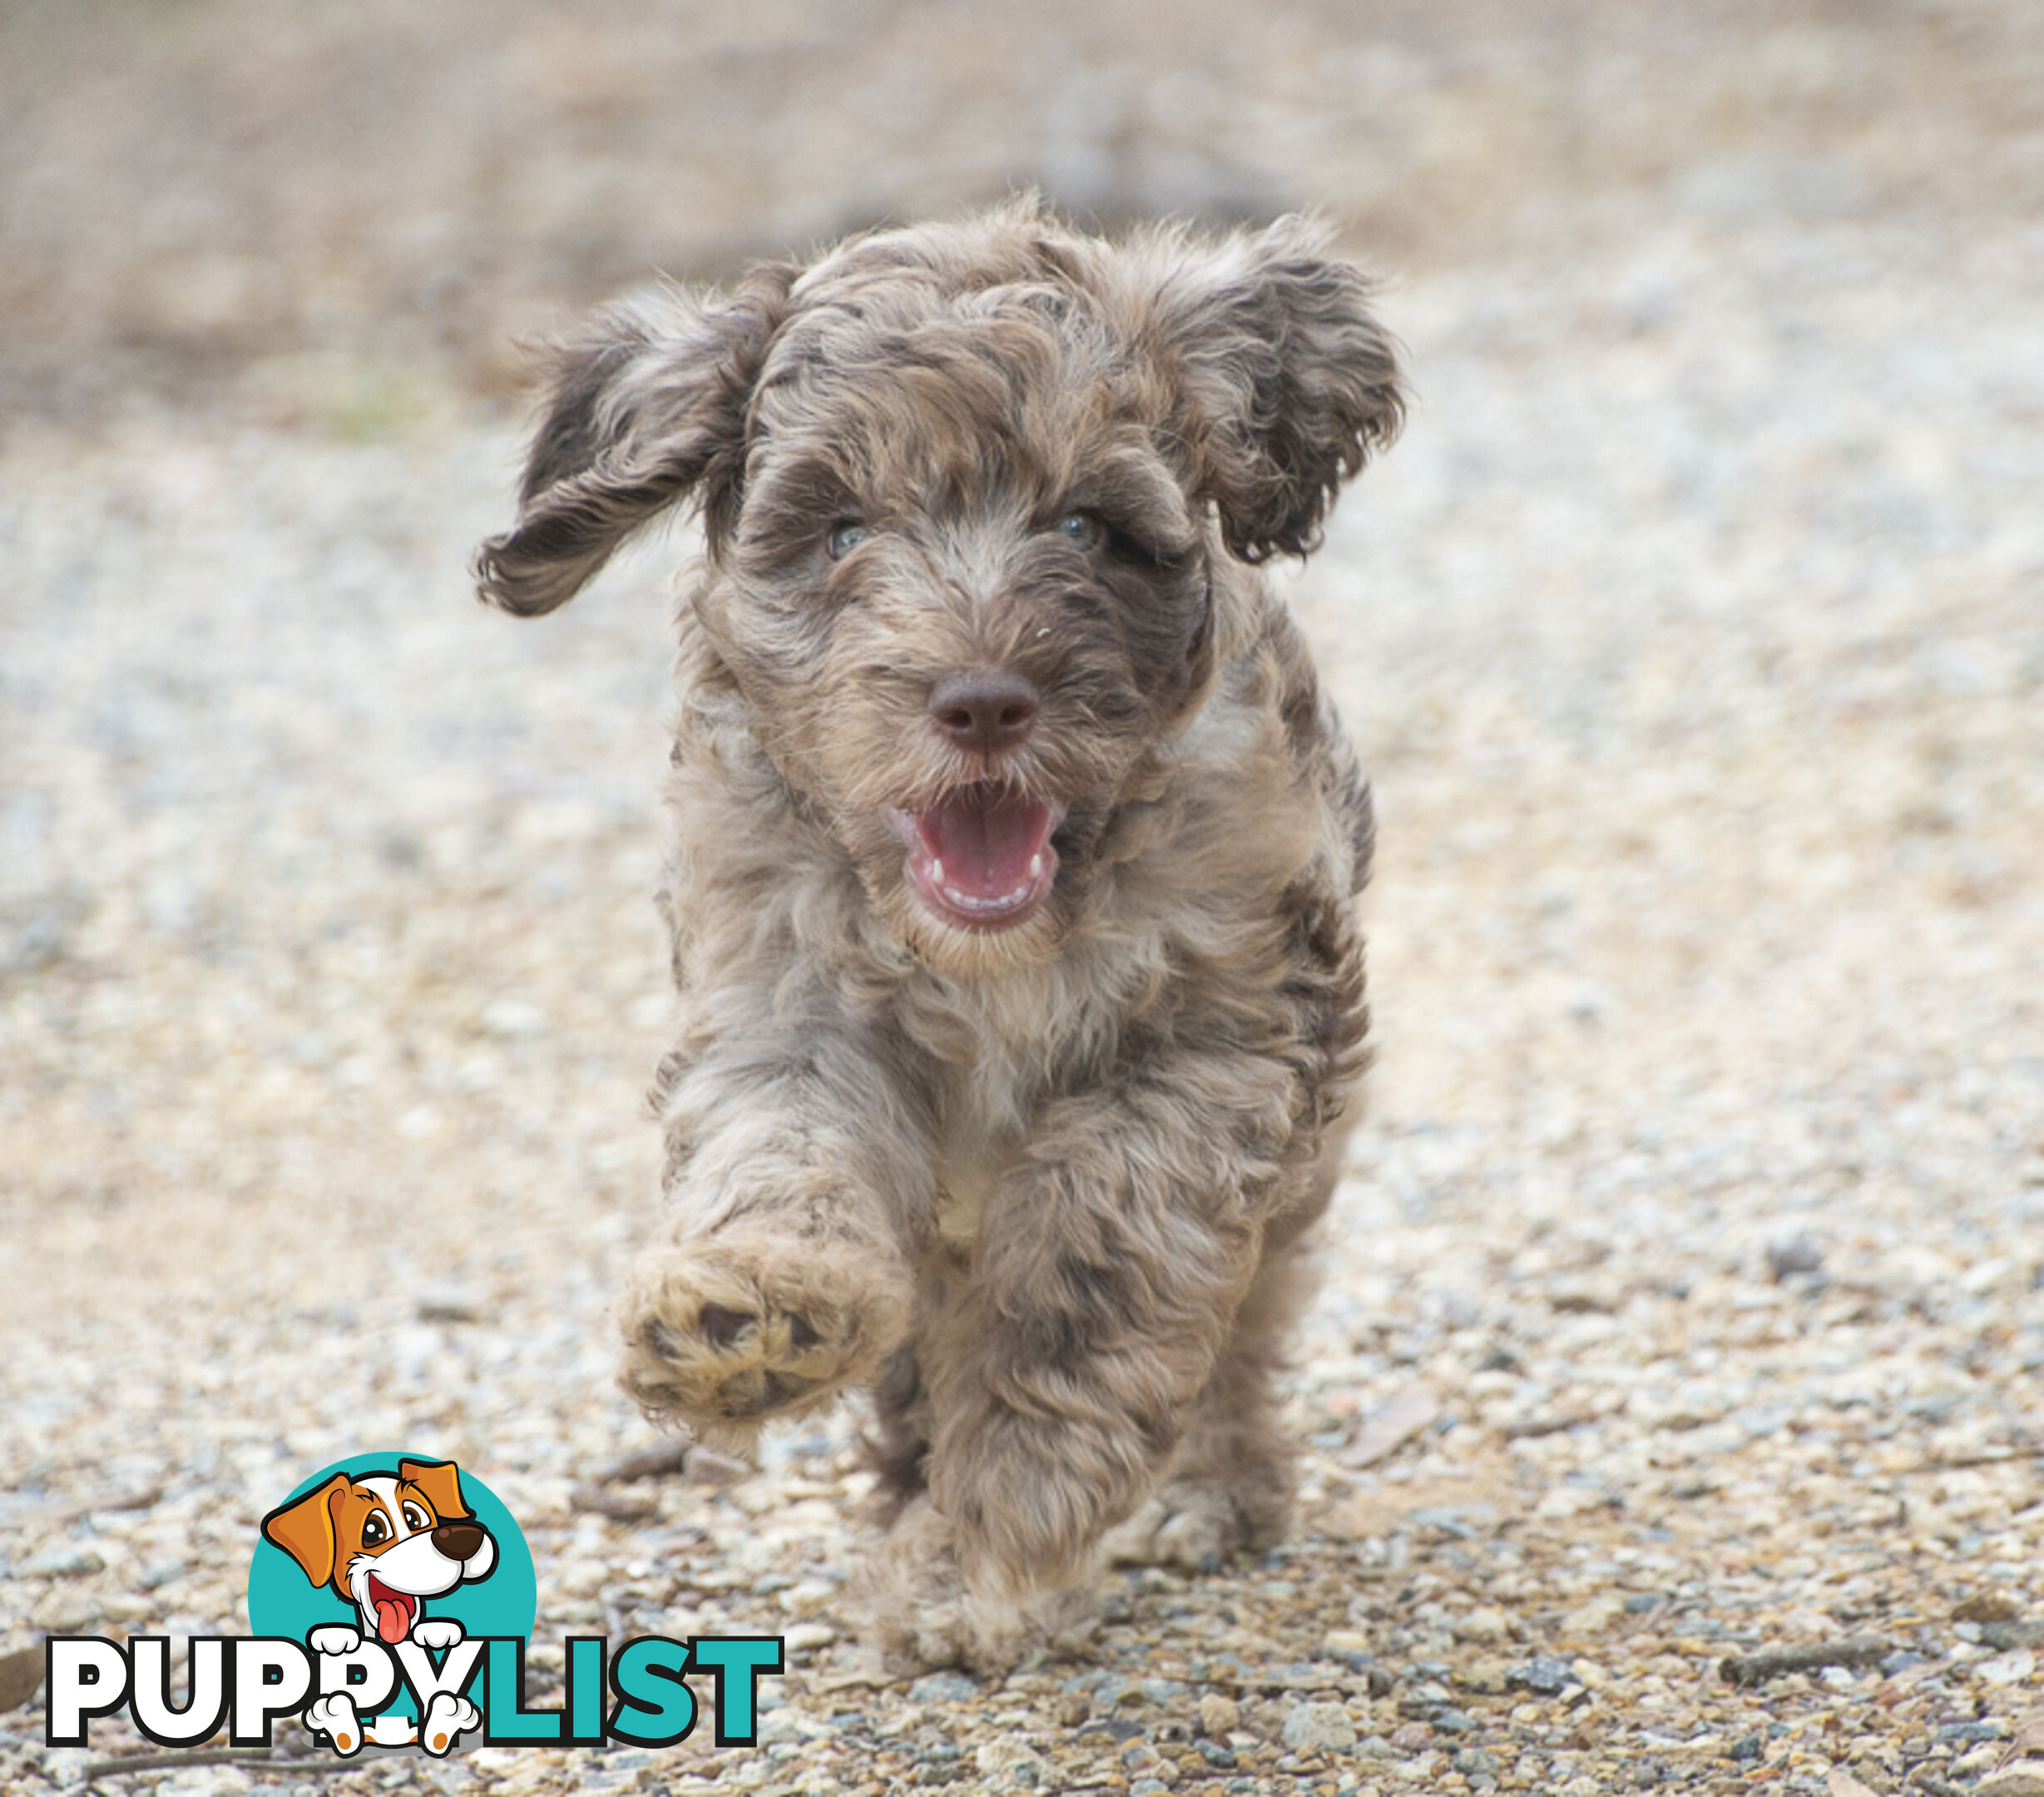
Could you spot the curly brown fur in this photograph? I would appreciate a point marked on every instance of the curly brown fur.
(1013, 872)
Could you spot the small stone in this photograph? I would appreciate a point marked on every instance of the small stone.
(943, 1687)
(1543, 1675)
(806, 1637)
(70, 1561)
(65, 1611)
(1485, 1625)
(1219, 1716)
(448, 1304)
(2023, 1777)
(1987, 1607)
(2006, 1669)
(1790, 1254)
(1486, 1677)
(1073, 1708)
(1591, 1618)
(21, 1676)
(1318, 1728)
(1409, 1737)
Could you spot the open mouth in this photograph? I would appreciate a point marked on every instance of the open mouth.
(394, 1611)
(981, 857)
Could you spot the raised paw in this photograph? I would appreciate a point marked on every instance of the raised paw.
(436, 1632)
(333, 1716)
(448, 1717)
(726, 1331)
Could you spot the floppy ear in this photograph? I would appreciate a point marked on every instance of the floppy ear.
(1291, 383)
(441, 1483)
(647, 402)
(303, 1528)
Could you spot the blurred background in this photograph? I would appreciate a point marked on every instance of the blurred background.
(327, 213)
(1693, 634)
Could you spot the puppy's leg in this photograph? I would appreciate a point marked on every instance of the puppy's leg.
(1232, 1484)
(778, 1276)
(1112, 1264)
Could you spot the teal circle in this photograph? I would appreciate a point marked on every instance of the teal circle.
(282, 1601)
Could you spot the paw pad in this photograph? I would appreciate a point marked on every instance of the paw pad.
(727, 1333)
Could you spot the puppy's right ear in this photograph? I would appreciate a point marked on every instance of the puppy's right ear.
(304, 1530)
(647, 404)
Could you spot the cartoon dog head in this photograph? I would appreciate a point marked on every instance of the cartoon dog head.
(385, 1541)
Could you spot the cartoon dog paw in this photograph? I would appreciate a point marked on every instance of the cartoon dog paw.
(334, 1638)
(436, 1632)
(447, 1716)
(334, 1716)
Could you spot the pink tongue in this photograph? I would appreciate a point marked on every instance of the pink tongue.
(390, 1620)
(985, 836)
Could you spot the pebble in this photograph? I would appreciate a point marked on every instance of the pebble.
(1318, 1728)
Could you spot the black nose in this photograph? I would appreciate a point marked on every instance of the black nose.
(987, 710)
(458, 1541)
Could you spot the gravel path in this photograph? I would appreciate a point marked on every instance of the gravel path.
(1686, 1300)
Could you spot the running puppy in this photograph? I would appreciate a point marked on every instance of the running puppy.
(1015, 849)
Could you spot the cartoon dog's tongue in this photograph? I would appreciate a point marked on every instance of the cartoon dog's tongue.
(393, 1612)
(984, 839)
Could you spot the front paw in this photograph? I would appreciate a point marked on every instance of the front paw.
(436, 1632)
(333, 1638)
(334, 1717)
(1187, 1525)
(1031, 1497)
(448, 1717)
(917, 1605)
(725, 1330)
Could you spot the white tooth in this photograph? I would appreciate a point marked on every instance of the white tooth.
(1036, 866)
(937, 872)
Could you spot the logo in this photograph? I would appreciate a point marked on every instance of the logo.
(392, 1598)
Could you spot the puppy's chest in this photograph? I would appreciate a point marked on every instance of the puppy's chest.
(992, 1054)
(983, 1115)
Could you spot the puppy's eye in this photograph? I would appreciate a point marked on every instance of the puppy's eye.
(374, 1533)
(844, 538)
(1081, 528)
(416, 1519)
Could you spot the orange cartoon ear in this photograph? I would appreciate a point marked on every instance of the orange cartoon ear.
(441, 1482)
(303, 1528)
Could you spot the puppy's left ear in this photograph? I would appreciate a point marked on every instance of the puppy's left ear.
(441, 1481)
(1291, 382)
(646, 406)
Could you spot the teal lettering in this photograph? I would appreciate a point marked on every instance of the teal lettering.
(505, 1721)
(737, 1661)
(655, 1709)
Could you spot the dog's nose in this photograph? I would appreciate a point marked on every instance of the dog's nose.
(458, 1541)
(987, 710)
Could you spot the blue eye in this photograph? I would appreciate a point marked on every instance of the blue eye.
(844, 538)
(1079, 527)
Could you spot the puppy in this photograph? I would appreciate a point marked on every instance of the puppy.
(384, 1544)
(1015, 850)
